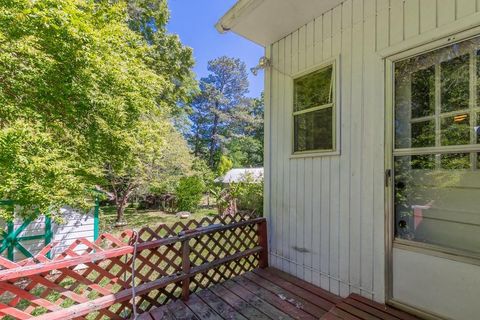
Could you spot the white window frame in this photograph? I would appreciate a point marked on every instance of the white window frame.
(335, 104)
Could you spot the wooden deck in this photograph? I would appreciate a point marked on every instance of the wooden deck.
(272, 294)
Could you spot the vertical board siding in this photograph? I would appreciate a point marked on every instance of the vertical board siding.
(446, 12)
(274, 127)
(412, 17)
(327, 213)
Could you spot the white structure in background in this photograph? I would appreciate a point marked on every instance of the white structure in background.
(76, 225)
(372, 180)
(241, 174)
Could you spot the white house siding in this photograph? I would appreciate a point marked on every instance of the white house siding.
(76, 225)
(327, 213)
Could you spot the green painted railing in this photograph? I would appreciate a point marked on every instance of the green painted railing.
(11, 239)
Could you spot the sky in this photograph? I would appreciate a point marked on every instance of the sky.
(194, 21)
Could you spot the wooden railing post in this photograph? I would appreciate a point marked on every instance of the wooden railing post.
(263, 242)
(186, 265)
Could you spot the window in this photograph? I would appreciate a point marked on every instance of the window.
(314, 112)
(437, 150)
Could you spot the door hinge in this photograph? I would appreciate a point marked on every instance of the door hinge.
(388, 176)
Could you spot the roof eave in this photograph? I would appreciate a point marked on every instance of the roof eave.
(241, 9)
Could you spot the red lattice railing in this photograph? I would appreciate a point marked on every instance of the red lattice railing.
(171, 262)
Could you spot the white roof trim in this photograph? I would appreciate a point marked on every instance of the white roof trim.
(235, 14)
(267, 21)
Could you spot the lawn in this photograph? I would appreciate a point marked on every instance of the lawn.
(137, 219)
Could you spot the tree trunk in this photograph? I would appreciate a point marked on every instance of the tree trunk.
(212, 141)
(121, 203)
(120, 213)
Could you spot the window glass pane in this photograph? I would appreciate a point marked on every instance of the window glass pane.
(455, 83)
(455, 161)
(437, 196)
(423, 92)
(314, 131)
(438, 204)
(423, 161)
(432, 97)
(423, 134)
(456, 130)
(313, 90)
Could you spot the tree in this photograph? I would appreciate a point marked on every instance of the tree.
(80, 86)
(245, 146)
(222, 115)
(224, 165)
(157, 158)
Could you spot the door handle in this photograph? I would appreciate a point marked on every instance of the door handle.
(388, 176)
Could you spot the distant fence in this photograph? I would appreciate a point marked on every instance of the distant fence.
(170, 263)
(20, 238)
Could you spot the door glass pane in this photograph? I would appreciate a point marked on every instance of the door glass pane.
(438, 204)
(455, 83)
(423, 92)
(456, 130)
(432, 97)
(423, 134)
(314, 89)
(437, 193)
(314, 130)
(451, 161)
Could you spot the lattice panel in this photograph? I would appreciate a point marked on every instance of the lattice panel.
(163, 231)
(53, 287)
(223, 272)
(218, 245)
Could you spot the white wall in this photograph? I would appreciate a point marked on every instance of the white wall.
(75, 225)
(326, 214)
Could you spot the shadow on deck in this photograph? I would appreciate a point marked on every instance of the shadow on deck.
(272, 294)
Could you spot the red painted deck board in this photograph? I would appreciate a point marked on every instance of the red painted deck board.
(272, 294)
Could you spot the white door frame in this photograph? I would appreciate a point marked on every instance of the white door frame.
(455, 32)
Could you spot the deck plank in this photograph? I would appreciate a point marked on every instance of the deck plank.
(144, 316)
(238, 303)
(221, 307)
(385, 309)
(162, 313)
(356, 312)
(267, 295)
(305, 285)
(202, 310)
(256, 301)
(274, 299)
(181, 311)
(341, 314)
(297, 301)
(366, 308)
(299, 291)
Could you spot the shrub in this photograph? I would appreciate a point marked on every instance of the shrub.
(189, 193)
(250, 197)
(246, 195)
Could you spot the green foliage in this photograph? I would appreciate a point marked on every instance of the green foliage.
(37, 171)
(249, 195)
(224, 165)
(221, 112)
(189, 193)
(201, 169)
(246, 195)
(245, 152)
(86, 93)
